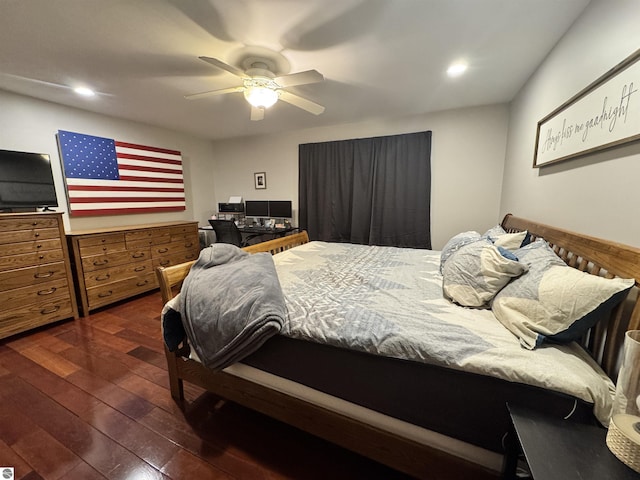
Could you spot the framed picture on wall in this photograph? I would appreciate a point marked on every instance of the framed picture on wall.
(604, 115)
(260, 180)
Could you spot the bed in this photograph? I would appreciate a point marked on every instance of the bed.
(362, 401)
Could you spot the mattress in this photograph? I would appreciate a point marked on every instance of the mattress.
(462, 405)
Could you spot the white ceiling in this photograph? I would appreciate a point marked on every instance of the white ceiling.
(380, 58)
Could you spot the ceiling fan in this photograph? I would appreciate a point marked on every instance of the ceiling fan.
(262, 88)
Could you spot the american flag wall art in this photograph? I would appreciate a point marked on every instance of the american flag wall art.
(109, 177)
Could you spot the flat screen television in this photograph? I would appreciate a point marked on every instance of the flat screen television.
(256, 208)
(26, 181)
(280, 209)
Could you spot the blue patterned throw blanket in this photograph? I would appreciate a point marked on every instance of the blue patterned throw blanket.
(389, 301)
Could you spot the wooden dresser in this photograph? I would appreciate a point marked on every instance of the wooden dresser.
(36, 286)
(112, 264)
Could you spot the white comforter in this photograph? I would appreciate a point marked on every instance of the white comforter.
(389, 301)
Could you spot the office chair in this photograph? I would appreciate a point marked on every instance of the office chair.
(227, 232)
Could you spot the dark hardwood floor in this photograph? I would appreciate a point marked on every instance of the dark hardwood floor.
(89, 398)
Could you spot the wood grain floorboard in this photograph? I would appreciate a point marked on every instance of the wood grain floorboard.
(89, 399)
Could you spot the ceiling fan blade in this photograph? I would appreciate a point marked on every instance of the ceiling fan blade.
(300, 78)
(257, 113)
(301, 102)
(211, 93)
(225, 66)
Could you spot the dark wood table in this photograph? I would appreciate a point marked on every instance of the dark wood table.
(251, 232)
(561, 450)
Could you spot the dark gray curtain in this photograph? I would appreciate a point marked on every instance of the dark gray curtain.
(371, 191)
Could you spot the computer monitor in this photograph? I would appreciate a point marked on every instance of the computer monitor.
(256, 208)
(280, 209)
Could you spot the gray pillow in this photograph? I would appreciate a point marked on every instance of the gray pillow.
(454, 243)
(475, 272)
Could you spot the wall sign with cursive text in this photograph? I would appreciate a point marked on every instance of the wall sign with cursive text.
(606, 114)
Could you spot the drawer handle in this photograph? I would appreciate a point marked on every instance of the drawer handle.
(138, 255)
(164, 263)
(43, 275)
(163, 250)
(39, 245)
(105, 294)
(99, 263)
(53, 309)
(47, 292)
(141, 284)
(139, 269)
(36, 234)
(101, 278)
(187, 245)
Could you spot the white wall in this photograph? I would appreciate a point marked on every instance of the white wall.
(28, 124)
(468, 151)
(597, 194)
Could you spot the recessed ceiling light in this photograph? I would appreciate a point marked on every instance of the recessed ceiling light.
(456, 69)
(84, 91)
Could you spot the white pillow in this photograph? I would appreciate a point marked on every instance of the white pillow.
(553, 301)
(510, 241)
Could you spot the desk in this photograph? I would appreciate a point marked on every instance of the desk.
(251, 232)
(561, 449)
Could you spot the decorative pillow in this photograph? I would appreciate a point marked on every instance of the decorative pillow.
(510, 241)
(494, 232)
(475, 272)
(457, 241)
(553, 301)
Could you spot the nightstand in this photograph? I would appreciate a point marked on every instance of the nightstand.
(560, 449)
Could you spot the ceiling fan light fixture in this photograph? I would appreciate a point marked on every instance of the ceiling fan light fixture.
(261, 96)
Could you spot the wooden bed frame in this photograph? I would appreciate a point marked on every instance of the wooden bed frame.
(589, 254)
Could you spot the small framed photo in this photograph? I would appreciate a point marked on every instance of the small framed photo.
(260, 180)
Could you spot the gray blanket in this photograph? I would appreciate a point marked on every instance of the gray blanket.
(230, 303)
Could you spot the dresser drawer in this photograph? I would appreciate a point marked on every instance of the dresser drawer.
(105, 294)
(184, 230)
(27, 317)
(35, 294)
(114, 274)
(145, 238)
(24, 223)
(186, 240)
(93, 240)
(29, 247)
(31, 259)
(179, 257)
(28, 235)
(169, 249)
(97, 262)
(104, 248)
(32, 275)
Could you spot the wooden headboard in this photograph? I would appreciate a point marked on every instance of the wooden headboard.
(597, 257)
